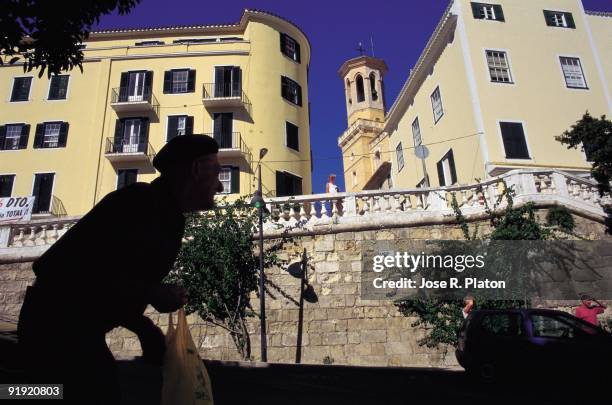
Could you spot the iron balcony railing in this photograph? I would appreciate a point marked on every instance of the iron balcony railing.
(123, 97)
(130, 145)
(224, 90)
(230, 141)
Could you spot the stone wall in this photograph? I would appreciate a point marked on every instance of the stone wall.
(340, 326)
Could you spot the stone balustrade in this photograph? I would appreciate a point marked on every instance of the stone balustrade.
(320, 213)
(382, 208)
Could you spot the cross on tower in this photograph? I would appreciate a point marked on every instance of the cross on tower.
(361, 49)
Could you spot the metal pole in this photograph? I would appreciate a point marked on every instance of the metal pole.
(262, 291)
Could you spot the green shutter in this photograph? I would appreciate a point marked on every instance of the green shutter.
(499, 12)
(168, 82)
(235, 177)
(569, 18)
(2, 136)
(451, 164)
(172, 128)
(440, 168)
(191, 77)
(63, 135)
(39, 136)
(189, 125)
(476, 10)
(25, 134)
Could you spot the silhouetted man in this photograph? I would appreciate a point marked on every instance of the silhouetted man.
(108, 267)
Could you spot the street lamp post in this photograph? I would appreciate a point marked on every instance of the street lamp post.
(259, 203)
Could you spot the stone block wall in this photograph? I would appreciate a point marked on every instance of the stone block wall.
(340, 326)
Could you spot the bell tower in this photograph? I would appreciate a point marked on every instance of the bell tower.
(362, 78)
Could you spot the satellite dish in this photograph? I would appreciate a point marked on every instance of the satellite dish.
(421, 152)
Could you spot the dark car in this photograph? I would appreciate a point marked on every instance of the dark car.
(546, 342)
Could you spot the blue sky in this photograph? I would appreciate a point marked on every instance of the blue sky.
(399, 30)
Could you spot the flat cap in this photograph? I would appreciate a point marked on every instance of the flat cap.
(182, 149)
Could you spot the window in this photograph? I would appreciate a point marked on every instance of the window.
(228, 81)
(21, 89)
(51, 135)
(291, 91)
(572, 71)
(43, 187)
(436, 105)
(223, 124)
(194, 40)
(373, 86)
(179, 81)
(229, 176)
(6, 185)
(482, 11)
(290, 47)
(125, 177)
(499, 69)
(559, 19)
(399, 154)
(179, 125)
(514, 141)
(58, 87)
(149, 43)
(354, 179)
(547, 326)
(416, 132)
(131, 136)
(502, 324)
(293, 140)
(288, 184)
(14, 136)
(348, 92)
(135, 86)
(360, 91)
(447, 175)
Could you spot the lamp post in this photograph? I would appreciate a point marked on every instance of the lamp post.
(259, 203)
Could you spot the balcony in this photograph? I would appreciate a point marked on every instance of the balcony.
(129, 100)
(230, 144)
(225, 95)
(128, 150)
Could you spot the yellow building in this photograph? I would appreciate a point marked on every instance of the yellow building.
(494, 86)
(71, 140)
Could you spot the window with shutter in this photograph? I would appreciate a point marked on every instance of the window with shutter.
(559, 19)
(499, 68)
(288, 184)
(21, 89)
(399, 154)
(6, 185)
(416, 132)
(436, 105)
(125, 177)
(292, 140)
(12, 136)
(58, 87)
(514, 140)
(225, 177)
(51, 134)
(573, 73)
(484, 11)
(290, 47)
(447, 174)
(43, 187)
(291, 91)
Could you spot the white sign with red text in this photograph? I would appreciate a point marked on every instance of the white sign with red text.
(16, 208)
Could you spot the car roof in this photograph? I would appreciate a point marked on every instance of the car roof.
(525, 311)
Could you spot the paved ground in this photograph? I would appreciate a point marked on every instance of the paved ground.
(259, 383)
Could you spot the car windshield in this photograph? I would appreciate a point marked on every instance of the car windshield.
(560, 326)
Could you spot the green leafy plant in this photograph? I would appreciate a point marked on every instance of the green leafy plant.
(218, 264)
(561, 218)
(442, 319)
(46, 34)
(594, 137)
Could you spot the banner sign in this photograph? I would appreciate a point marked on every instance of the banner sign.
(16, 208)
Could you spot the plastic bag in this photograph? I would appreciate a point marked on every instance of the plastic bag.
(186, 381)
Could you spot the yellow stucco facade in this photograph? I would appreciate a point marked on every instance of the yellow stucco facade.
(117, 118)
(494, 86)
